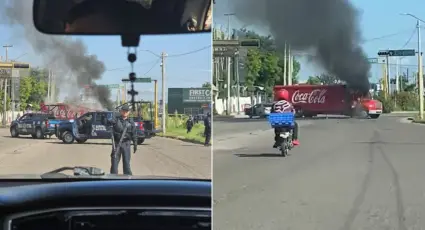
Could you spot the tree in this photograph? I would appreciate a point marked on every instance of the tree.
(33, 88)
(313, 80)
(8, 100)
(206, 85)
(328, 79)
(324, 79)
(265, 64)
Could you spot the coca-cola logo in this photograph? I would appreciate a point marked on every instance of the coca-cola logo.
(316, 96)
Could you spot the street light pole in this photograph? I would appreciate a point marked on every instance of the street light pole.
(163, 55)
(5, 87)
(420, 71)
(421, 79)
(229, 100)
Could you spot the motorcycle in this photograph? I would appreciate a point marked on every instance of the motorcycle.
(285, 142)
(285, 122)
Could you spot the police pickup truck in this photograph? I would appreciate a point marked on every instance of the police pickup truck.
(90, 126)
(38, 125)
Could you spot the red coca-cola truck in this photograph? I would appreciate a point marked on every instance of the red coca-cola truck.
(64, 111)
(311, 100)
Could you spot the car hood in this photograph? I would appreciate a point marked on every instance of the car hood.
(107, 177)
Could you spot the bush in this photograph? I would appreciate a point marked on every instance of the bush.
(407, 101)
(387, 103)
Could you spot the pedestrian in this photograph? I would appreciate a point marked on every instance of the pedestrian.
(124, 132)
(189, 124)
(207, 131)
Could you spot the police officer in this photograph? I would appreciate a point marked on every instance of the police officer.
(207, 131)
(123, 129)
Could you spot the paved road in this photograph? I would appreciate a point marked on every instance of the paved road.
(347, 174)
(158, 156)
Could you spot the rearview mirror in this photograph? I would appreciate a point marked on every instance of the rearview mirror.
(118, 17)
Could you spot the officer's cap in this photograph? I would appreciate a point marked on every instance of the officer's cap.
(125, 108)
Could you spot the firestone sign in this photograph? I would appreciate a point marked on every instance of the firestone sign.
(197, 95)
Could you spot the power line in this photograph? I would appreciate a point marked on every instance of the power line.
(156, 61)
(386, 36)
(191, 52)
(410, 38)
(153, 66)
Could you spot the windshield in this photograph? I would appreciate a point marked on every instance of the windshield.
(80, 80)
(326, 156)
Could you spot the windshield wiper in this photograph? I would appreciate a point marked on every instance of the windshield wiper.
(77, 171)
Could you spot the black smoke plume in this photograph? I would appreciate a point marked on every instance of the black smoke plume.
(68, 55)
(328, 27)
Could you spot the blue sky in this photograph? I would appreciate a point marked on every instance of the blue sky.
(189, 70)
(382, 26)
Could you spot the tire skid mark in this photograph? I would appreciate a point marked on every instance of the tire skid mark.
(376, 144)
(359, 200)
(398, 191)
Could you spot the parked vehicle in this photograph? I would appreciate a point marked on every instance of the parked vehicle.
(90, 126)
(260, 110)
(311, 100)
(38, 125)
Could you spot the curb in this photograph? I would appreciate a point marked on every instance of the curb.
(183, 139)
(411, 120)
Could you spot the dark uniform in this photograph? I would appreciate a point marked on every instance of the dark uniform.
(189, 124)
(123, 149)
(207, 131)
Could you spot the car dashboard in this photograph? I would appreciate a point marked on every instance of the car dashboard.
(106, 204)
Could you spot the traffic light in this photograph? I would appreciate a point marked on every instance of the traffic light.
(21, 66)
(383, 53)
(250, 43)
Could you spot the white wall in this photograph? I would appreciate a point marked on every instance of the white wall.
(10, 117)
(221, 104)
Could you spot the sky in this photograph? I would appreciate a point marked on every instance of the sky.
(188, 63)
(382, 28)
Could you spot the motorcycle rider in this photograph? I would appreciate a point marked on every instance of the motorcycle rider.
(282, 105)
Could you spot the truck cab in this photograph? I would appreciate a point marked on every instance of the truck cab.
(373, 108)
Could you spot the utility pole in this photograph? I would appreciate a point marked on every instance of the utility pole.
(284, 67)
(397, 84)
(5, 87)
(388, 75)
(290, 61)
(238, 87)
(163, 55)
(155, 121)
(48, 86)
(229, 37)
(420, 73)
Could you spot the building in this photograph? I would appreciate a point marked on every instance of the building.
(189, 100)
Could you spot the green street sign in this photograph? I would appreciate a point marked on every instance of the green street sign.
(139, 80)
(401, 53)
(373, 60)
(397, 53)
(225, 43)
(250, 43)
(112, 86)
